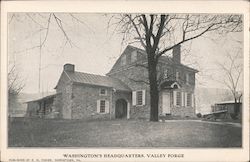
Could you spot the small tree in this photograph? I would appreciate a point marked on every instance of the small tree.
(15, 83)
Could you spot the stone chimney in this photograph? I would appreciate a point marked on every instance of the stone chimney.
(177, 54)
(69, 67)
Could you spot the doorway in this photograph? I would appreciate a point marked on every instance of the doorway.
(166, 103)
(121, 108)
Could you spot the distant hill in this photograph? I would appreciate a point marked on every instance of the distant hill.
(206, 97)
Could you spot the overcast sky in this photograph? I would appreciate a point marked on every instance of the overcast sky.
(95, 49)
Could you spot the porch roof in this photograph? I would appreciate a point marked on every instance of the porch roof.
(40, 98)
(97, 80)
(169, 85)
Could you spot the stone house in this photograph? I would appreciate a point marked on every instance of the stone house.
(124, 91)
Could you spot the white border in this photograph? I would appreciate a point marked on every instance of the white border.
(135, 7)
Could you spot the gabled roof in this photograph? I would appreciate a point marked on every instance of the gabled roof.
(98, 80)
(162, 59)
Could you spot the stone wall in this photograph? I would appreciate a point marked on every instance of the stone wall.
(84, 102)
(64, 105)
(131, 75)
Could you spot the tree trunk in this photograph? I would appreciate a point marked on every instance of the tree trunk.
(236, 108)
(154, 94)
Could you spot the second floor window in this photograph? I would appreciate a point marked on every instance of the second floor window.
(103, 91)
(165, 74)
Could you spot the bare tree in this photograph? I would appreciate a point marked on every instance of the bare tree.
(232, 70)
(159, 34)
(15, 82)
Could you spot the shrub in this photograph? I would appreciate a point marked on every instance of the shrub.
(199, 115)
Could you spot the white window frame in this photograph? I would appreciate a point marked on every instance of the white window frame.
(106, 108)
(180, 103)
(101, 101)
(189, 99)
(106, 92)
(135, 98)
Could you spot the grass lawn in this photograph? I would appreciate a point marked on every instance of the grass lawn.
(120, 133)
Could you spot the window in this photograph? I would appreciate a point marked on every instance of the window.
(123, 60)
(178, 98)
(102, 106)
(138, 98)
(189, 99)
(103, 91)
(177, 75)
(133, 56)
(165, 74)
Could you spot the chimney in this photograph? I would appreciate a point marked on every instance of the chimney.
(177, 54)
(69, 67)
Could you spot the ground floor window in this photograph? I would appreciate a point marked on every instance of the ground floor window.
(184, 99)
(178, 99)
(138, 97)
(189, 99)
(102, 106)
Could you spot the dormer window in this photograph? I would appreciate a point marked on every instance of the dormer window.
(123, 60)
(103, 91)
(133, 56)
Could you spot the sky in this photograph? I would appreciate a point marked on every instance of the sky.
(95, 49)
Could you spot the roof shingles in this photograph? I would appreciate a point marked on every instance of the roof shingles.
(98, 80)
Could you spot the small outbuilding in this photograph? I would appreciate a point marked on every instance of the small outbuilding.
(228, 108)
(41, 106)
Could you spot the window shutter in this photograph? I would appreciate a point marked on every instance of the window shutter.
(134, 98)
(175, 97)
(98, 106)
(106, 106)
(186, 99)
(143, 97)
(183, 98)
(192, 100)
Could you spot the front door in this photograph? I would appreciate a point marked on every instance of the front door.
(166, 102)
(121, 108)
